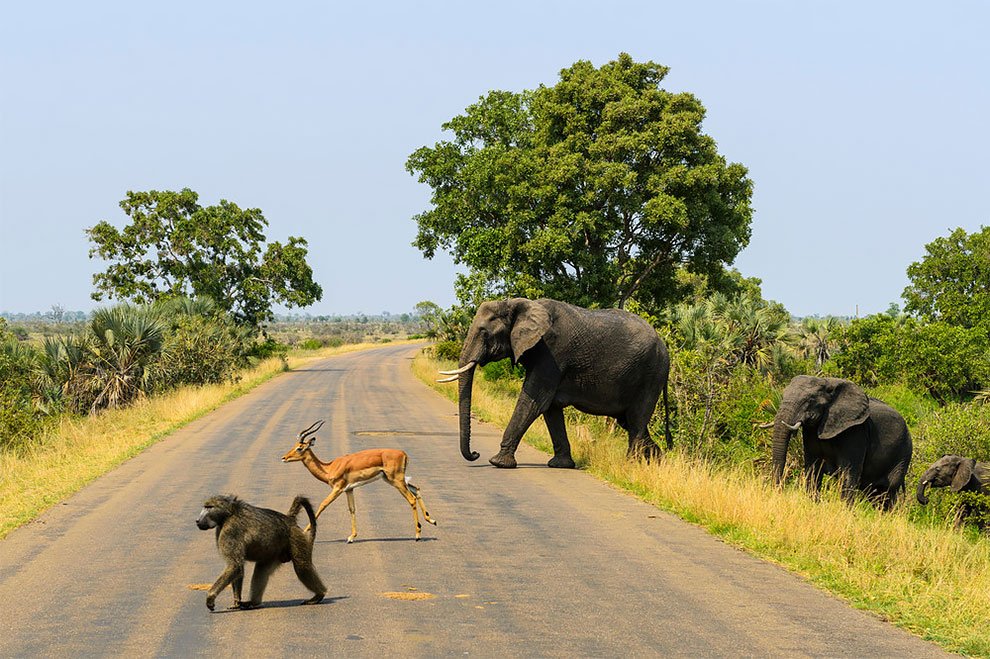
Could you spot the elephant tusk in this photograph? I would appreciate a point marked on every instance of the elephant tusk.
(466, 367)
(450, 379)
(764, 426)
(789, 426)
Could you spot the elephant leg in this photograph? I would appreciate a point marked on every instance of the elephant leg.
(527, 410)
(554, 418)
(849, 468)
(640, 442)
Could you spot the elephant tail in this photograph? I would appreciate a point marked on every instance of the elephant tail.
(666, 419)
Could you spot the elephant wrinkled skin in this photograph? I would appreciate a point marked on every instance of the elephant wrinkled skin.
(847, 434)
(606, 362)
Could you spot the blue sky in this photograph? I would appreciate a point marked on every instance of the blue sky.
(865, 127)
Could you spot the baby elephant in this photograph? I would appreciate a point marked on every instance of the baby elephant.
(960, 475)
(267, 537)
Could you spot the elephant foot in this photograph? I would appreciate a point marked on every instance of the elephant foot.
(561, 462)
(503, 460)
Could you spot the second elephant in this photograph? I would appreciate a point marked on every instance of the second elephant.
(847, 434)
(607, 362)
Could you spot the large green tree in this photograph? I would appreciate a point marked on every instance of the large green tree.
(175, 247)
(951, 283)
(596, 190)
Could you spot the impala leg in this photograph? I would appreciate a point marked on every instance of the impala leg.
(334, 493)
(399, 483)
(350, 507)
(422, 504)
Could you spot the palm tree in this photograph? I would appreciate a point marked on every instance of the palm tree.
(126, 340)
(816, 338)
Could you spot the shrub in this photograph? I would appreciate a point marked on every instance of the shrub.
(198, 350)
(447, 350)
(503, 370)
(311, 344)
(20, 419)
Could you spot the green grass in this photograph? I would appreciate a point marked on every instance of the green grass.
(926, 578)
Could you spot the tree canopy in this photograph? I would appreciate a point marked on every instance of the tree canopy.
(951, 283)
(175, 247)
(597, 190)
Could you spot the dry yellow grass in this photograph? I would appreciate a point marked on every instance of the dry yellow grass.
(933, 581)
(80, 450)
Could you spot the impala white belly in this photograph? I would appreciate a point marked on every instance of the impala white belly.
(366, 479)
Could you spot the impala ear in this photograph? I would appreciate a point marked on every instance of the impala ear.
(530, 323)
(964, 472)
(850, 407)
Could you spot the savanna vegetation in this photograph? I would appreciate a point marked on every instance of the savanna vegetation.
(603, 191)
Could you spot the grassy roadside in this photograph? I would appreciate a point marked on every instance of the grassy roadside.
(932, 581)
(80, 450)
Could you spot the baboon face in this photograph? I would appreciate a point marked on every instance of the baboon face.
(215, 510)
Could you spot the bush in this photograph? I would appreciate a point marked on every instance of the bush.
(311, 344)
(503, 370)
(198, 350)
(447, 350)
(20, 419)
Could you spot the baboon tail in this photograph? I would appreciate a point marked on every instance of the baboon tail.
(303, 502)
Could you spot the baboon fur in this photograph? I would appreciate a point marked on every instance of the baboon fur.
(267, 537)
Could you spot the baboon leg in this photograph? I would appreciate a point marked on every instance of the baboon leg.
(334, 493)
(259, 581)
(422, 504)
(309, 578)
(350, 507)
(236, 585)
(231, 572)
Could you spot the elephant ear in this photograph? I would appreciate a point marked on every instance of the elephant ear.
(531, 322)
(964, 472)
(850, 407)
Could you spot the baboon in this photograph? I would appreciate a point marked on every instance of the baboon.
(267, 537)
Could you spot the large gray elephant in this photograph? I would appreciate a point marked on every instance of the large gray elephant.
(607, 362)
(847, 434)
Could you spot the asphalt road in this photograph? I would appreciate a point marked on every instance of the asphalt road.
(530, 562)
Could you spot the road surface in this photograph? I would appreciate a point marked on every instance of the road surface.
(529, 562)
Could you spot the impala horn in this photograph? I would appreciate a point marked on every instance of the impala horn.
(309, 431)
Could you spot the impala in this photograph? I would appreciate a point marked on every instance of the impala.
(347, 472)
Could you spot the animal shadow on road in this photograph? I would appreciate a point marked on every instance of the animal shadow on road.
(283, 604)
(360, 540)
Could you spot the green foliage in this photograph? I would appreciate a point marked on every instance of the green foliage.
(867, 353)
(175, 247)
(955, 429)
(445, 324)
(199, 350)
(268, 348)
(947, 361)
(125, 342)
(449, 350)
(951, 283)
(20, 420)
(311, 344)
(595, 191)
(503, 370)
(731, 355)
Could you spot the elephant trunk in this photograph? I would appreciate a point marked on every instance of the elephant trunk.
(782, 431)
(464, 385)
(922, 487)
